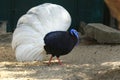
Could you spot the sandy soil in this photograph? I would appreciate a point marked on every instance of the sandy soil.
(87, 61)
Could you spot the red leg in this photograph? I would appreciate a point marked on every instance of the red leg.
(59, 61)
(50, 60)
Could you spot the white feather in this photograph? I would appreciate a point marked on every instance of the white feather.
(31, 28)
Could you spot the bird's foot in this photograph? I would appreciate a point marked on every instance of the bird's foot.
(59, 61)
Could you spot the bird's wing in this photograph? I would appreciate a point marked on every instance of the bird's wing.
(58, 40)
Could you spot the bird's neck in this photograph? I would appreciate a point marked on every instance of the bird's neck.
(77, 40)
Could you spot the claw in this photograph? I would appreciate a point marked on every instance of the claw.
(57, 59)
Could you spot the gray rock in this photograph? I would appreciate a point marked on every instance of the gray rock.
(102, 33)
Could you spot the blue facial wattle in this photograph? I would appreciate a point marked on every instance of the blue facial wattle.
(74, 32)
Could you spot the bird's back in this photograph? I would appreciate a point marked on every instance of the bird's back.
(59, 43)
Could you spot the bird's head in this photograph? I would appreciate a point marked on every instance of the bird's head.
(76, 34)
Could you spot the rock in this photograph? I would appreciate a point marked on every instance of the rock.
(102, 33)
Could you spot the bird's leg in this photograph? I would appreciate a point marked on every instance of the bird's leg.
(59, 61)
(50, 60)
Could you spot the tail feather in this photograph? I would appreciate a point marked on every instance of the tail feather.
(31, 28)
(33, 53)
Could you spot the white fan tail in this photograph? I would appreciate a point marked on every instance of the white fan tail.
(31, 28)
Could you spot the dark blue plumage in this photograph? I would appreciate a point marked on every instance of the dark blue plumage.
(59, 43)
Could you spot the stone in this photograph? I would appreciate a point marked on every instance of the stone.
(102, 33)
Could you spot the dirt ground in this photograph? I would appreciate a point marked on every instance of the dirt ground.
(87, 61)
